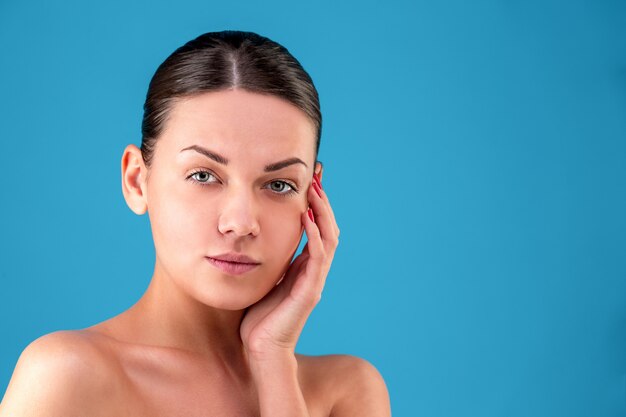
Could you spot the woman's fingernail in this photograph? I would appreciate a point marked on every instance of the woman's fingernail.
(311, 215)
(317, 179)
(317, 189)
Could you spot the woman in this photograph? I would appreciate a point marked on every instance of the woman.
(229, 176)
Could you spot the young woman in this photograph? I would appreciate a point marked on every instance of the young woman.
(228, 173)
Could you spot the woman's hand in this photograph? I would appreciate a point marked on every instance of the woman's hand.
(272, 326)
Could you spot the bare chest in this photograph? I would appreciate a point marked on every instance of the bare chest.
(151, 386)
(161, 391)
(192, 400)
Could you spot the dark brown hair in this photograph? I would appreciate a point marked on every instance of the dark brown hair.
(221, 60)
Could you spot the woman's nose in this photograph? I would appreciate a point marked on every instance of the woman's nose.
(238, 214)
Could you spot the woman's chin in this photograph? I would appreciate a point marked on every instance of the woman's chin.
(232, 305)
(230, 301)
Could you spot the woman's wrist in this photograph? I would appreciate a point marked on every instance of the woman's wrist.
(258, 354)
(276, 379)
(269, 365)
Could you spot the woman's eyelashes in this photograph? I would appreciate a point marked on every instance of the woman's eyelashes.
(290, 191)
(202, 177)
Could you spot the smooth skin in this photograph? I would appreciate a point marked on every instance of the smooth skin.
(201, 342)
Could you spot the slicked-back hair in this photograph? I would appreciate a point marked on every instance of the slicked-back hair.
(222, 60)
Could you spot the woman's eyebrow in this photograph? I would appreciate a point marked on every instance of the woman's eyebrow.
(221, 160)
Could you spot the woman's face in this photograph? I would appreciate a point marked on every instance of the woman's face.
(248, 201)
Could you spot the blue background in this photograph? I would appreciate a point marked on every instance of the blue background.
(475, 157)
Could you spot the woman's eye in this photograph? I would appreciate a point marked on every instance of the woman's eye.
(281, 187)
(201, 177)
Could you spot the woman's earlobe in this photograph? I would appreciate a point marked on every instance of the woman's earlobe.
(133, 183)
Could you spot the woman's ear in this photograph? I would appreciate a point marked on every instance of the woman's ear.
(318, 169)
(134, 174)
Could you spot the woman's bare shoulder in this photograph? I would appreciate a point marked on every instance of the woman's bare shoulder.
(60, 373)
(351, 385)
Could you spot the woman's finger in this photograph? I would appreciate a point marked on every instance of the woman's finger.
(310, 285)
(332, 213)
(314, 244)
(305, 249)
(323, 216)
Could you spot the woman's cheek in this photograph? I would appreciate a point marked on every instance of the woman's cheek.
(178, 222)
(285, 233)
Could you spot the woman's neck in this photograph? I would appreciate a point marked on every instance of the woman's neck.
(165, 316)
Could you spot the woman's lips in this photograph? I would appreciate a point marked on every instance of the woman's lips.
(232, 268)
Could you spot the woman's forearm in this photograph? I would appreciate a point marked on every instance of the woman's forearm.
(279, 392)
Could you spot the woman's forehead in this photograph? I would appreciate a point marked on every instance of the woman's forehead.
(240, 112)
(237, 123)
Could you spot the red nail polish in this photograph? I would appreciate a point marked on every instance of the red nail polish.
(311, 215)
(317, 189)
(317, 179)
